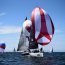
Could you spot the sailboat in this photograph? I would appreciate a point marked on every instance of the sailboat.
(14, 50)
(38, 30)
(51, 50)
(2, 47)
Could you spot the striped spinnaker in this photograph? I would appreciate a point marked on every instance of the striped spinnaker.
(2, 45)
(42, 26)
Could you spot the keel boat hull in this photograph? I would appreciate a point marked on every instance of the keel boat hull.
(36, 54)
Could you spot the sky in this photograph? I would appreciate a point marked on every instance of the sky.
(13, 13)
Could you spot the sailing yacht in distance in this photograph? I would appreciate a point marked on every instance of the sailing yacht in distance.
(2, 47)
(14, 50)
(51, 50)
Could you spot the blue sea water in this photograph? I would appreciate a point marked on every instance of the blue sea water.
(15, 58)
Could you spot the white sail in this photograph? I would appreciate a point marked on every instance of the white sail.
(51, 50)
(24, 37)
(22, 42)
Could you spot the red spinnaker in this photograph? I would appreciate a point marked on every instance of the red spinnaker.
(42, 26)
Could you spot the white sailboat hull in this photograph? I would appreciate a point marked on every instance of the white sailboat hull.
(36, 54)
(39, 54)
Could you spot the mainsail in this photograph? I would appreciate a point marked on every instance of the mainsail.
(42, 26)
(51, 49)
(24, 37)
(22, 42)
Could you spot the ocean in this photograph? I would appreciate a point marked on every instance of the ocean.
(15, 58)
